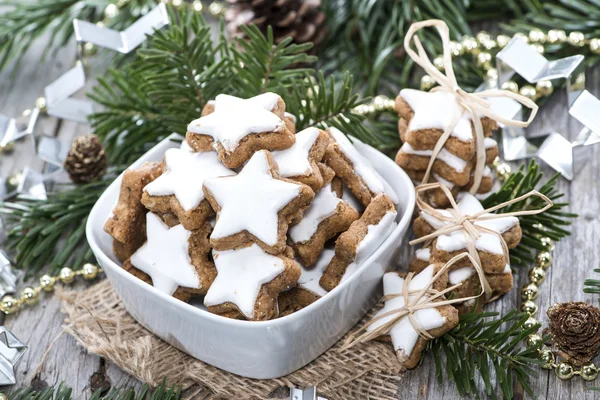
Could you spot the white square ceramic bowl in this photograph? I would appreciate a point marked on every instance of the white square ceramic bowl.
(265, 349)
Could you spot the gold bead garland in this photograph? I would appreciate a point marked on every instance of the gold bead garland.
(31, 295)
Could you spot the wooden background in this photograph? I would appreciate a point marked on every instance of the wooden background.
(574, 257)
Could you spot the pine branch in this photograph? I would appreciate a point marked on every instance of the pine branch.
(552, 223)
(592, 285)
(28, 21)
(476, 347)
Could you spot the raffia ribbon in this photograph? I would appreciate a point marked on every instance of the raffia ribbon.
(415, 300)
(474, 103)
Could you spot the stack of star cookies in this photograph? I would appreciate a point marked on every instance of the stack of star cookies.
(258, 219)
(424, 116)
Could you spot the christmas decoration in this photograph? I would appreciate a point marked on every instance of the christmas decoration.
(8, 280)
(11, 351)
(575, 329)
(303, 21)
(86, 160)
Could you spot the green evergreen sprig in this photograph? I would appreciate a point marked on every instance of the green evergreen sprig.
(591, 285)
(478, 347)
(552, 223)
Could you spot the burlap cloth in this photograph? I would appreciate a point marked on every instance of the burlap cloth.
(96, 318)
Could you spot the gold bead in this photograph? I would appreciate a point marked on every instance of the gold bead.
(7, 147)
(90, 271)
(547, 357)
(529, 291)
(564, 371)
(533, 340)
(529, 307)
(427, 82)
(215, 9)
(89, 49)
(528, 91)
(503, 169)
(470, 45)
(502, 40)
(40, 103)
(30, 296)
(492, 74)
(3, 396)
(537, 47)
(66, 275)
(197, 6)
(438, 62)
(47, 283)
(547, 243)
(537, 275)
(177, 3)
(483, 36)
(544, 88)
(556, 36)
(511, 86)
(111, 11)
(531, 323)
(484, 60)
(489, 44)
(522, 36)
(9, 305)
(595, 45)
(589, 372)
(537, 36)
(576, 39)
(544, 259)
(456, 49)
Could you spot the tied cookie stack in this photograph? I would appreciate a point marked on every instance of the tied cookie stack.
(258, 219)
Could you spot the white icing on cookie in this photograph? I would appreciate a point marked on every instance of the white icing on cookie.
(290, 116)
(489, 143)
(437, 110)
(234, 118)
(404, 335)
(186, 147)
(507, 269)
(184, 175)
(323, 206)
(309, 279)
(240, 275)
(460, 275)
(165, 256)
(443, 181)
(376, 235)
(294, 161)
(469, 205)
(251, 200)
(361, 166)
(444, 155)
(423, 254)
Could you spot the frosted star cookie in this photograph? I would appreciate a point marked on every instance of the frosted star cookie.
(436, 321)
(236, 128)
(299, 162)
(363, 237)
(356, 171)
(127, 222)
(174, 260)
(248, 283)
(255, 206)
(179, 189)
(327, 216)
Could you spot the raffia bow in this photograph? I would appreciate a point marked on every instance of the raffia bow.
(474, 103)
(415, 300)
(467, 223)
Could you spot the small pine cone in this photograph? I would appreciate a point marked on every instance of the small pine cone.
(303, 21)
(86, 161)
(575, 329)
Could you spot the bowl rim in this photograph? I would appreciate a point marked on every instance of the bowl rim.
(402, 224)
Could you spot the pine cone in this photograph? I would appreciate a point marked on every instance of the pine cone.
(86, 161)
(301, 20)
(575, 328)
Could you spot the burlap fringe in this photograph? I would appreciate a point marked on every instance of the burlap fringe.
(97, 320)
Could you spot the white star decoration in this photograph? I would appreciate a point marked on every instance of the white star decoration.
(404, 335)
(251, 200)
(437, 110)
(294, 161)
(165, 256)
(184, 175)
(240, 275)
(234, 118)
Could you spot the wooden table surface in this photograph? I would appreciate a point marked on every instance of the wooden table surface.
(574, 257)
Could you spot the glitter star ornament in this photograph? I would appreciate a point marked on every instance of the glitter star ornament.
(11, 351)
